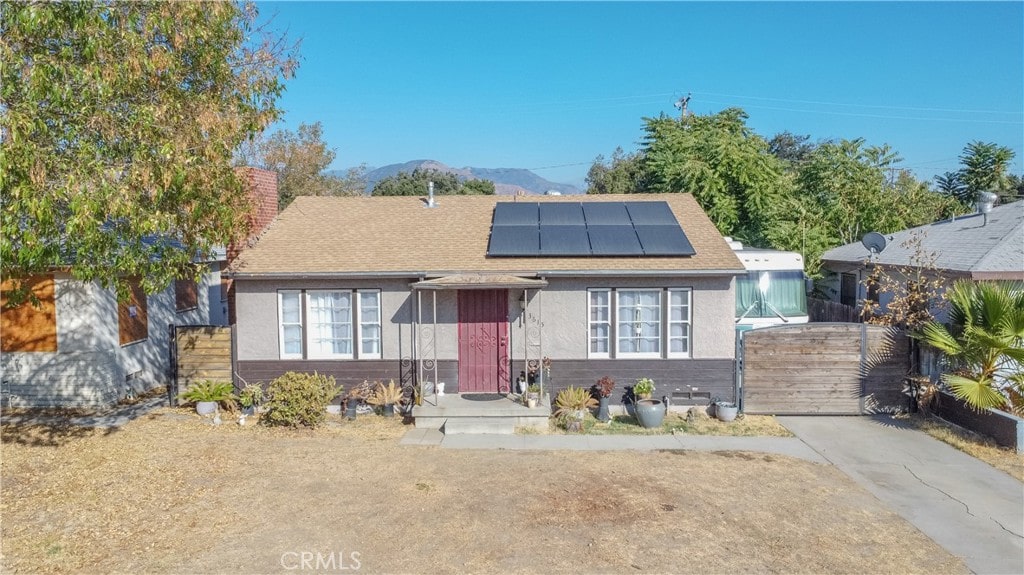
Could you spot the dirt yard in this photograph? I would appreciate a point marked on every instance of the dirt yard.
(170, 494)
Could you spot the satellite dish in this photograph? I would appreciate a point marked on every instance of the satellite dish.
(874, 242)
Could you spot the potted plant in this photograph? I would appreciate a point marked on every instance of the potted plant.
(532, 395)
(206, 394)
(643, 388)
(573, 403)
(250, 398)
(603, 390)
(649, 412)
(355, 396)
(386, 397)
(726, 410)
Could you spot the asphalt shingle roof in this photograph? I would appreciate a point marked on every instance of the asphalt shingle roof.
(965, 245)
(378, 235)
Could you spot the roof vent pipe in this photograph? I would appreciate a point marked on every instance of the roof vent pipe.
(985, 202)
(430, 195)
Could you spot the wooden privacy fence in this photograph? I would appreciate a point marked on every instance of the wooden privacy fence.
(199, 352)
(821, 310)
(824, 368)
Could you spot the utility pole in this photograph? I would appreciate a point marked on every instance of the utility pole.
(682, 104)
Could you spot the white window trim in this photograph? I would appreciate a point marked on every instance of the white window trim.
(280, 324)
(307, 333)
(358, 325)
(590, 324)
(661, 326)
(688, 322)
(355, 325)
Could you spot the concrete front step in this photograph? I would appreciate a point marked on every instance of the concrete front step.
(474, 425)
(455, 415)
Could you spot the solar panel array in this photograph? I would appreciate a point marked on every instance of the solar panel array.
(521, 229)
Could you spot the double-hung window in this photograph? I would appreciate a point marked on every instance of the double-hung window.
(600, 323)
(639, 323)
(678, 323)
(326, 324)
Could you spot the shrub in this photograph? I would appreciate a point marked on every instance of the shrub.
(296, 399)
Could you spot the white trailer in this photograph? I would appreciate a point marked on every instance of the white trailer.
(774, 291)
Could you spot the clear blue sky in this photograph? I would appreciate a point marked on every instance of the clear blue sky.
(535, 85)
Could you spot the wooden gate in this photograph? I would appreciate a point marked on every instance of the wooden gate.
(483, 341)
(823, 368)
(199, 352)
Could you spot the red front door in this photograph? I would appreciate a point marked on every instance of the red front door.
(483, 341)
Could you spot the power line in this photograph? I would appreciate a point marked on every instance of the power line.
(919, 109)
(860, 115)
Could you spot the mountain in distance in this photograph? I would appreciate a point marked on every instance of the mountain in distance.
(507, 181)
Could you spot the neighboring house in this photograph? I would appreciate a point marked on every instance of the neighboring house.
(972, 247)
(475, 290)
(81, 347)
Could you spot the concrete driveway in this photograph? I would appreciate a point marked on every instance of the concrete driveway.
(970, 508)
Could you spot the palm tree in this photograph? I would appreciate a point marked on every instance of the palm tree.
(985, 344)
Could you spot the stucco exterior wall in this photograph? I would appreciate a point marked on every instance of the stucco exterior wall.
(90, 367)
(562, 309)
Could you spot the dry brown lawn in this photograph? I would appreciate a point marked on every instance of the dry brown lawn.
(170, 494)
(973, 444)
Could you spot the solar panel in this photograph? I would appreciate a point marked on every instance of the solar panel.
(514, 241)
(515, 214)
(664, 241)
(584, 229)
(614, 241)
(651, 214)
(564, 241)
(561, 214)
(606, 214)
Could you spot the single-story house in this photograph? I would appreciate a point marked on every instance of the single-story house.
(81, 347)
(478, 291)
(975, 246)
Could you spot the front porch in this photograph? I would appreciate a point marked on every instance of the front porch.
(454, 414)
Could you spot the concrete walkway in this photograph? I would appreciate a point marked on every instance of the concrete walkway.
(790, 446)
(973, 510)
(114, 417)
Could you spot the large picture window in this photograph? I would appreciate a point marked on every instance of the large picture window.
(325, 324)
(639, 323)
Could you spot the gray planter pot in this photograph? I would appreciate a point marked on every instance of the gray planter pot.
(725, 411)
(650, 412)
(206, 407)
(389, 410)
(602, 409)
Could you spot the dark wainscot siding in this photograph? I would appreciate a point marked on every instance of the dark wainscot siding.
(713, 378)
(347, 372)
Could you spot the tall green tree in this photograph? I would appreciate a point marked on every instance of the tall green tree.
(623, 174)
(723, 163)
(445, 184)
(301, 159)
(949, 184)
(119, 124)
(986, 169)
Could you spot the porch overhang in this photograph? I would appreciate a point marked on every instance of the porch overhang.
(479, 281)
